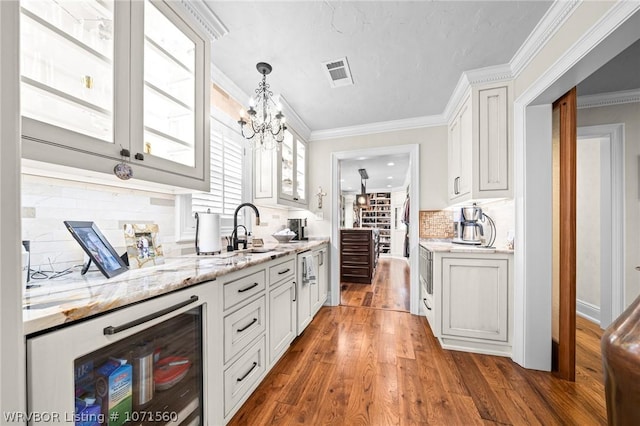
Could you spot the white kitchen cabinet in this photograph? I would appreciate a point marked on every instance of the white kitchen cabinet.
(282, 306)
(322, 278)
(282, 318)
(474, 298)
(472, 301)
(280, 176)
(304, 300)
(480, 163)
(460, 146)
(312, 291)
(104, 81)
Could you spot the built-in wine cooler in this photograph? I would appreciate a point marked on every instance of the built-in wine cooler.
(150, 372)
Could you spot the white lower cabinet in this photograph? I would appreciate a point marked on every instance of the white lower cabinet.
(312, 285)
(243, 327)
(473, 302)
(474, 298)
(244, 375)
(282, 306)
(282, 319)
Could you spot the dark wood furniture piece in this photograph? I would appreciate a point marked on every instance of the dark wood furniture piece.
(359, 248)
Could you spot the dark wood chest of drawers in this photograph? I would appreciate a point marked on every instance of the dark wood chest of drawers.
(358, 254)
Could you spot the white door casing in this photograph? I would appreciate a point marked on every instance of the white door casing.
(611, 218)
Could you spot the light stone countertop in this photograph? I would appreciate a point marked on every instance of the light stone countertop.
(448, 246)
(73, 297)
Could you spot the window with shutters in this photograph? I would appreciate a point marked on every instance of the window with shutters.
(227, 174)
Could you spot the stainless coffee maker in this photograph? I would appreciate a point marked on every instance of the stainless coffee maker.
(468, 228)
(298, 226)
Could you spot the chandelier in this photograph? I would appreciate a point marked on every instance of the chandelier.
(266, 129)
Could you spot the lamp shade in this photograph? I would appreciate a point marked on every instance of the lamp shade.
(362, 200)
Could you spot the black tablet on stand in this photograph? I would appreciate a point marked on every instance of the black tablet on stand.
(97, 248)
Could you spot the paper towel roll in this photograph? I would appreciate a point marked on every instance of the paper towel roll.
(207, 233)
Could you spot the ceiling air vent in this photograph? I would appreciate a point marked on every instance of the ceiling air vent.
(338, 72)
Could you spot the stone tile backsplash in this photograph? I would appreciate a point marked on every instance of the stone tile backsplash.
(436, 224)
(47, 202)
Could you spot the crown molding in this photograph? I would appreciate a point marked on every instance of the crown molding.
(492, 74)
(552, 20)
(293, 119)
(381, 127)
(205, 17)
(609, 99)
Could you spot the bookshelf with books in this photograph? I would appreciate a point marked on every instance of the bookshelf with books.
(378, 215)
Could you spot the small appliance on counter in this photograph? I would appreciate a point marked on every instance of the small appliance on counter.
(468, 227)
(298, 226)
(208, 233)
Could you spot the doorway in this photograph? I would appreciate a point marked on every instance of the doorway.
(414, 189)
(532, 134)
(609, 151)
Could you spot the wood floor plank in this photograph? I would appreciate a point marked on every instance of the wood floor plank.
(357, 365)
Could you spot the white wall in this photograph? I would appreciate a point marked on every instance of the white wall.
(629, 114)
(433, 165)
(588, 222)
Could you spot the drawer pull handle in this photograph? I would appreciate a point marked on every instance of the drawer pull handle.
(426, 305)
(239, 379)
(240, 330)
(111, 330)
(284, 272)
(295, 291)
(242, 290)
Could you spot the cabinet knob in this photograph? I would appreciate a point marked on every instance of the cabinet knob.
(139, 156)
(125, 152)
(637, 268)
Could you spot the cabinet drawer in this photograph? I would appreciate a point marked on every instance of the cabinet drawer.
(243, 288)
(282, 271)
(356, 236)
(355, 271)
(358, 259)
(355, 247)
(241, 377)
(243, 326)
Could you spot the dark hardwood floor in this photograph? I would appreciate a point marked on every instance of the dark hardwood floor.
(366, 366)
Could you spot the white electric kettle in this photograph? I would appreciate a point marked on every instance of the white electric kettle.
(207, 233)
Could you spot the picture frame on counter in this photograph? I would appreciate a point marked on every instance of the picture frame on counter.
(143, 245)
(97, 247)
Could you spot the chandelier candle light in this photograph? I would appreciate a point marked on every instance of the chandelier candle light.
(267, 129)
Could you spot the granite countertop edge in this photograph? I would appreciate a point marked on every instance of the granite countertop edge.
(446, 246)
(74, 297)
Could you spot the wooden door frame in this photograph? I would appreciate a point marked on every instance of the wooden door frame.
(564, 360)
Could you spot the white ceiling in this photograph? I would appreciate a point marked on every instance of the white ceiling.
(386, 173)
(405, 56)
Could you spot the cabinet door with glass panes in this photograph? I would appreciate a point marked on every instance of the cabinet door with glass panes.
(105, 81)
(293, 169)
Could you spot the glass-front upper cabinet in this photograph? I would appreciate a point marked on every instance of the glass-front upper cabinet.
(120, 80)
(68, 66)
(169, 88)
(301, 170)
(293, 169)
(288, 186)
(287, 166)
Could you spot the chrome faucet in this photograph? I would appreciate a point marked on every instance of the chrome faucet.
(234, 234)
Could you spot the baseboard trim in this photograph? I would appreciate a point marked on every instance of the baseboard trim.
(588, 311)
